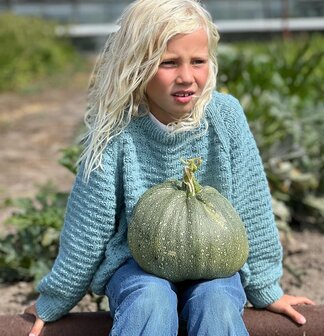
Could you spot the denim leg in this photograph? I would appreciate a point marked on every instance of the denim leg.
(141, 304)
(214, 307)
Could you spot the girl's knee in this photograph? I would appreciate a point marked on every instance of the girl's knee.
(154, 298)
(224, 304)
(220, 302)
(148, 309)
(213, 312)
(221, 292)
(157, 293)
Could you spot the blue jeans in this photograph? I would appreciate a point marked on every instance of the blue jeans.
(142, 304)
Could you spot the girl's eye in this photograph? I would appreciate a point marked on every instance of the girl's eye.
(199, 61)
(168, 64)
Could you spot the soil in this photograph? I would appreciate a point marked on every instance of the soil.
(33, 130)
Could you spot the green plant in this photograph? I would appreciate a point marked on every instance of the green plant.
(70, 157)
(28, 252)
(280, 87)
(30, 51)
(208, 240)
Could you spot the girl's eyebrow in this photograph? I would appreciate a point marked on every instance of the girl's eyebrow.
(171, 57)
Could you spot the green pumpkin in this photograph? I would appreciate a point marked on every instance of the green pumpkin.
(181, 231)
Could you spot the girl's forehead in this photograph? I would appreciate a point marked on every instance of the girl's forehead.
(195, 40)
(200, 32)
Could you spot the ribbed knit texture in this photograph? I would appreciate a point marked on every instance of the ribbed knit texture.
(93, 241)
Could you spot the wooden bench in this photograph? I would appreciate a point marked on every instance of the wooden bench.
(258, 322)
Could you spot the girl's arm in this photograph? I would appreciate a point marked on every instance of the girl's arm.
(252, 199)
(88, 226)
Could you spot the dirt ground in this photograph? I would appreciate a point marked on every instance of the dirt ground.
(33, 129)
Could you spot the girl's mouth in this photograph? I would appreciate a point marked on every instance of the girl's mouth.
(183, 97)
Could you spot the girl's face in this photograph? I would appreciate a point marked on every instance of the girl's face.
(181, 77)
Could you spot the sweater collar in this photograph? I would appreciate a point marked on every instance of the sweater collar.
(156, 132)
(159, 123)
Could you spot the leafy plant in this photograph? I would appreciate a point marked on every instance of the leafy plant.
(30, 51)
(28, 252)
(280, 87)
(70, 157)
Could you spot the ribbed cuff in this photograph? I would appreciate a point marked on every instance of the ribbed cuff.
(262, 297)
(50, 309)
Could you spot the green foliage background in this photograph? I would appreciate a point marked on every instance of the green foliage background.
(30, 51)
(280, 85)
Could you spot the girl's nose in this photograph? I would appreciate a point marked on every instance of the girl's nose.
(184, 75)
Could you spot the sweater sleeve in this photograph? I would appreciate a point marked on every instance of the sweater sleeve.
(252, 200)
(88, 226)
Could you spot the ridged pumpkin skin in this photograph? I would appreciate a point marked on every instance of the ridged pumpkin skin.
(179, 236)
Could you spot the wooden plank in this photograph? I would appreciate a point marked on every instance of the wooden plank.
(259, 323)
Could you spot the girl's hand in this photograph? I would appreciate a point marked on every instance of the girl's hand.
(38, 325)
(284, 306)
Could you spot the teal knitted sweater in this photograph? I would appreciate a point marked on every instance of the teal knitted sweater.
(93, 241)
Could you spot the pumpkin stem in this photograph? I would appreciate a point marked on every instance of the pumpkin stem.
(189, 182)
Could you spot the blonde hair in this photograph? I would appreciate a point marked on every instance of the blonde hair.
(130, 59)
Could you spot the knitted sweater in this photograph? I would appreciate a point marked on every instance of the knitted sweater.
(93, 242)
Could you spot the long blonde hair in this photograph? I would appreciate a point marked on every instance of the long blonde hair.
(128, 62)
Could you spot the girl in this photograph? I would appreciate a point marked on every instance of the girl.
(152, 102)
